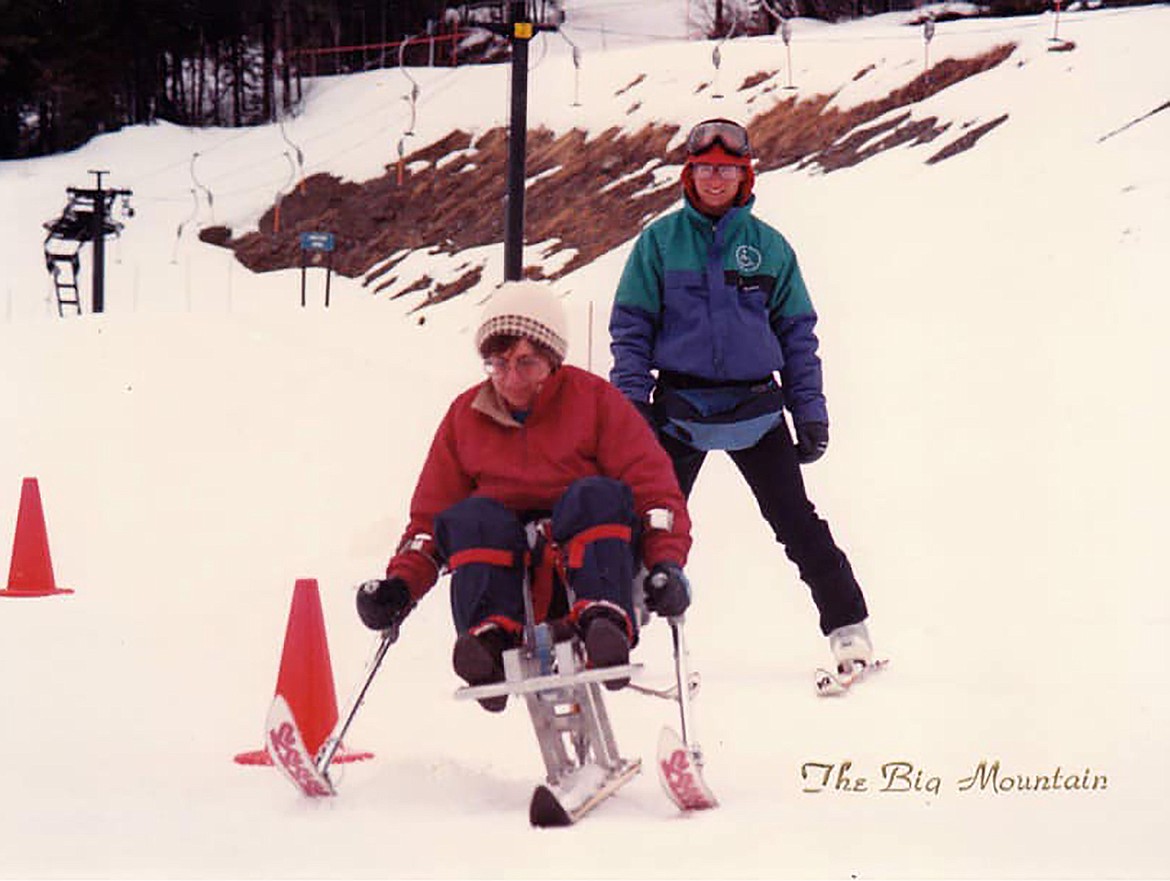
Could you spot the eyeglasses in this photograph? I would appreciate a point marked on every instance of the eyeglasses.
(731, 135)
(526, 366)
(706, 171)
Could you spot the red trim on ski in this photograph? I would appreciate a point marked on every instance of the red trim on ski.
(680, 774)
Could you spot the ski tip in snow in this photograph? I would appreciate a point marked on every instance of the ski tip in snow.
(579, 792)
(680, 774)
(285, 744)
(546, 810)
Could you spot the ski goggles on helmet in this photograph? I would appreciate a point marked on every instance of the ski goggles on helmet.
(732, 136)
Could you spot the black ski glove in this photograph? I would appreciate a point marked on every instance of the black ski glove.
(667, 590)
(812, 439)
(383, 603)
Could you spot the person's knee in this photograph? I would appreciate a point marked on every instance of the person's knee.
(477, 522)
(592, 501)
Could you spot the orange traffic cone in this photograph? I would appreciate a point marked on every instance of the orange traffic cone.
(305, 680)
(31, 573)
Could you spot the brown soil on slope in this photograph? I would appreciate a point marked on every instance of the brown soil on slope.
(590, 195)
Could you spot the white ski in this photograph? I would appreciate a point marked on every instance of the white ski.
(578, 794)
(830, 684)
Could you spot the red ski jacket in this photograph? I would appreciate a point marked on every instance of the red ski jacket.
(579, 426)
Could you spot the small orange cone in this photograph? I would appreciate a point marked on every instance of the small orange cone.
(306, 676)
(31, 572)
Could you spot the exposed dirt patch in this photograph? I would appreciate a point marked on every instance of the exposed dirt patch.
(637, 80)
(862, 143)
(452, 289)
(588, 196)
(755, 79)
(810, 133)
(215, 235)
(419, 285)
(966, 141)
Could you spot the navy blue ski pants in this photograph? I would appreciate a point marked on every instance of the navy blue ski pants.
(772, 471)
(594, 527)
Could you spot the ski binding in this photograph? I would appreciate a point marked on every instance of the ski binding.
(834, 684)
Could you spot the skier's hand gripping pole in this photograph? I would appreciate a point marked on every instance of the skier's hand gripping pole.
(384, 603)
(668, 592)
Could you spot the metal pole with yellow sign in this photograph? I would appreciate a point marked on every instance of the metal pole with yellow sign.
(519, 30)
(521, 34)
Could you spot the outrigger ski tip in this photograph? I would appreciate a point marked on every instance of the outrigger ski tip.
(286, 746)
(680, 760)
(681, 775)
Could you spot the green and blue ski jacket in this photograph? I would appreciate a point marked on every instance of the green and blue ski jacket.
(718, 300)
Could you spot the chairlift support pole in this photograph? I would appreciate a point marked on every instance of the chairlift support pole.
(99, 249)
(519, 30)
(517, 145)
(99, 197)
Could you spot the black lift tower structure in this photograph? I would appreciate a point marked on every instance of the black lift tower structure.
(87, 217)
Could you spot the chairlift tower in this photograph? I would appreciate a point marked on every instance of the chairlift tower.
(520, 29)
(88, 217)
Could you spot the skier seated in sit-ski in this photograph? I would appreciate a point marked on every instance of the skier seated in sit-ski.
(539, 442)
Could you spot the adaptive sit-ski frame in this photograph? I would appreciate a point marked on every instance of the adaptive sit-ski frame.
(564, 699)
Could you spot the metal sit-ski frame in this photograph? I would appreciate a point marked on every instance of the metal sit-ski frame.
(564, 699)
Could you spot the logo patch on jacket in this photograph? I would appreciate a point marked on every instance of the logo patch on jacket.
(748, 259)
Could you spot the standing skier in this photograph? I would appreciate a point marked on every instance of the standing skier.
(538, 444)
(713, 300)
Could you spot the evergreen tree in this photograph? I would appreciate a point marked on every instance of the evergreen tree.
(70, 69)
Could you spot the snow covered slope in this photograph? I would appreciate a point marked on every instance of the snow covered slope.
(992, 328)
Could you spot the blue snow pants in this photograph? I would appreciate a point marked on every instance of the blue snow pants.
(590, 559)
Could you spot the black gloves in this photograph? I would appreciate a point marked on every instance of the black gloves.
(812, 439)
(382, 604)
(667, 590)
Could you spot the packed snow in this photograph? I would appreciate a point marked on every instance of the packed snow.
(993, 334)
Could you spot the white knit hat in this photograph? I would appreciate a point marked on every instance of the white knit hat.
(528, 309)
